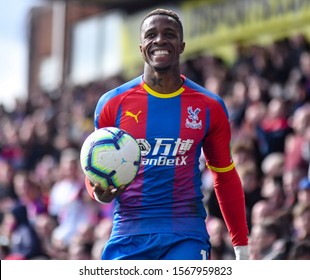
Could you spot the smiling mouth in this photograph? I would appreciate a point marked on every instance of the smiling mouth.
(160, 52)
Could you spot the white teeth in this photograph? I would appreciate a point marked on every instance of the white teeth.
(161, 52)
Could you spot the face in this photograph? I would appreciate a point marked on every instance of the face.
(161, 42)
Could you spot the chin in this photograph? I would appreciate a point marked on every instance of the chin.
(162, 69)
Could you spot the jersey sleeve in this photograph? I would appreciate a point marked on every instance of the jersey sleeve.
(104, 115)
(227, 183)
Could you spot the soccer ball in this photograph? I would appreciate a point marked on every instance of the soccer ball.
(110, 156)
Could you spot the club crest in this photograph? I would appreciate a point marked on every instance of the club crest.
(193, 121)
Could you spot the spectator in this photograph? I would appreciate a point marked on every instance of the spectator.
(300, 251)
(291, 180)
(80, 251)
(267, 242)
(244, 150)
(67, 203)
(28, 193)
(273, 128)
(221, 248)
(253, 115)
(303, 194)
(24, 241)
(297, 143)
(7, 194)
(102, 233)
(44, 226)
(261, 211)
(272, 192)
(252, 187)
(301, 222)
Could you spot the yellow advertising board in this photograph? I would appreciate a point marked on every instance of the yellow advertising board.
(215, 26)
(212, 24)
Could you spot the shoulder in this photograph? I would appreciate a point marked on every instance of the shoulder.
(111, 100)
(126, 87)
(211, 97)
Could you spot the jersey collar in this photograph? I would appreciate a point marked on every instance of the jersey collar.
(162, 95)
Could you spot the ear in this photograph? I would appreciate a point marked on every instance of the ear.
(182, 47)
(140, 47)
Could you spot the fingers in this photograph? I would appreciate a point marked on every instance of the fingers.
(108, 194)
(116, 191)
(113, 190)
(98, 189)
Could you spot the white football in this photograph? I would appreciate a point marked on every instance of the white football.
(110, 156)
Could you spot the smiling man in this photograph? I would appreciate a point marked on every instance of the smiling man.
(161, 214)
(161, 46)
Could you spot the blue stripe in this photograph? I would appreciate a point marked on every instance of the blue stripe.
(159, 117)
(159, 125)
(207, 121)
(118, 116)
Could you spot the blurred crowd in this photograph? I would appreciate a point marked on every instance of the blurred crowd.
(46, 213)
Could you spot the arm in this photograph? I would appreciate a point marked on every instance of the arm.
(230, 196)
(227, 184)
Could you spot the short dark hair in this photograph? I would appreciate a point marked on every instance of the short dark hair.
(165, 12)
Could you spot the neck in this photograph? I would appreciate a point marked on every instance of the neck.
(163, 81)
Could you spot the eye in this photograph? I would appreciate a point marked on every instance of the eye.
(170, 35)
(150, 35)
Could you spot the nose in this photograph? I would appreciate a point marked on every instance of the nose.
(159, 39)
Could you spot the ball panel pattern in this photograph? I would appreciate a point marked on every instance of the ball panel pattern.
(110, 156)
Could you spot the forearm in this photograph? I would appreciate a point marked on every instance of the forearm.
(231, 200)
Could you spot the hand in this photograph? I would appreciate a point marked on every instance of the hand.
(241, 252)
(108, 194)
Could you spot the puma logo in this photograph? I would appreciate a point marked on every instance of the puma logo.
(135, 116)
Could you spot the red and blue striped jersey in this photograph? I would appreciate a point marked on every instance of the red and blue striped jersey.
(171, 130)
